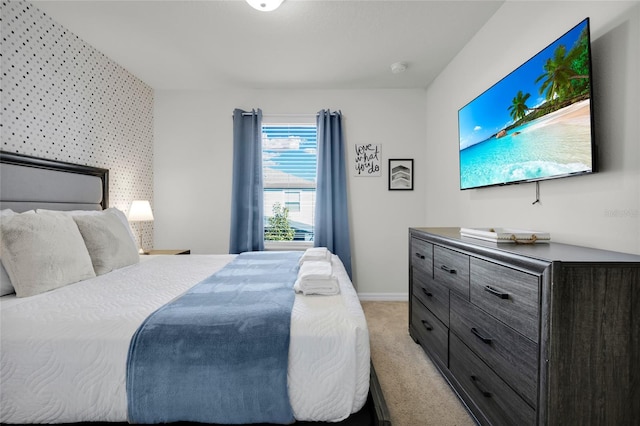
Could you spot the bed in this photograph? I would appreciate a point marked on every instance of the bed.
(66, 352)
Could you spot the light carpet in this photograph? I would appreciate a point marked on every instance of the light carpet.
(415, 392)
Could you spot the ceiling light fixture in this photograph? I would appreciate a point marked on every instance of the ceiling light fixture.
(265, 5)
(398, 67)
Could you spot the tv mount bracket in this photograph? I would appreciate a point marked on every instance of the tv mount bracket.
(537, 193)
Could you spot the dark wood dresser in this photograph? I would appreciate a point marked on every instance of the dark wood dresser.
(529, 334)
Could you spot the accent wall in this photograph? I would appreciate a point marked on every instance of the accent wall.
(64, 100)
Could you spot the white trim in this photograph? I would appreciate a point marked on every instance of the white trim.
(287, 245)
(284, 119)
(384, 297)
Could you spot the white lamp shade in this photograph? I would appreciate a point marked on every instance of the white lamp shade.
(140, 211)
(265, 5)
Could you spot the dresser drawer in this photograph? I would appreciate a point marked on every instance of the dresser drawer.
(490, 394)
(433, 335)
(507, 294)
(422, 256)
(451, 268)
(433, 295)
(511, 355)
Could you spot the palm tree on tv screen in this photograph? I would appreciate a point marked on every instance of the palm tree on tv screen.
(565, 80)
(518, 108)
(566, 74)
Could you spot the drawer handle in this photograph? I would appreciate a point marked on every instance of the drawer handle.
(486, 340)
(420, 256)
(449, 270)
(425, 291)
(427, 325)
(496, 292)
(476, 382)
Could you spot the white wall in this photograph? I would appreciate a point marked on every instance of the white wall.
(193, 149)
(192, 171)
(600, 210)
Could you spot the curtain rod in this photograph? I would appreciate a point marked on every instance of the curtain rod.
(282, 115)
(285, 115)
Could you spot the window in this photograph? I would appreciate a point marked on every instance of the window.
(292, 201)
(289, 158)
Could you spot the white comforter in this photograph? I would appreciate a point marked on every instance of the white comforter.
(64, 352)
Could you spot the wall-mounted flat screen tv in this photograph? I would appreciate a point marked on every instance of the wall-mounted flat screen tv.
(534, 124)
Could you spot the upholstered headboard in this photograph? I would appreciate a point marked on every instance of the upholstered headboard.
(28, 183)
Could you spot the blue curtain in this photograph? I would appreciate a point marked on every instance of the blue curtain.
(247, 226)
(331, 218)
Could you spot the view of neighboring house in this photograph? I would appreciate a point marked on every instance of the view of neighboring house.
(289, 165)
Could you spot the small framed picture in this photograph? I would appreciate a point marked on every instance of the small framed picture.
(401, 174)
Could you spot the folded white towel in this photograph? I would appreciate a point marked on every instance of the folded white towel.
(315, 253)
(320, 287)
(315, 269)
(316, 277)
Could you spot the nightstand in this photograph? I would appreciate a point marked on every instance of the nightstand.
(179, 251)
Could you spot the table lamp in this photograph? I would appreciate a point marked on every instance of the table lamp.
(140, 211)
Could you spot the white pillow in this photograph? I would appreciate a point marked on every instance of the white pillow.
(42, 252)
(5, 282)
(111, 210)
(123, 218)
(107, 241)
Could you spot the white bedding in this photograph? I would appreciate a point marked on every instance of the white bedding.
(64, 352)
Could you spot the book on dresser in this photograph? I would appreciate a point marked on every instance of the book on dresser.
(529, 334)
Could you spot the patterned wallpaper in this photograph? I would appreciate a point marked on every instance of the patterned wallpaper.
(64, 100)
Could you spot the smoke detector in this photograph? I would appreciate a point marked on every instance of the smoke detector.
(398, 67)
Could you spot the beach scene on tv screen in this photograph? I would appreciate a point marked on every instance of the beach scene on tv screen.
(533, 124)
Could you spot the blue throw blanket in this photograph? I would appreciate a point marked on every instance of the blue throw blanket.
(219, 353)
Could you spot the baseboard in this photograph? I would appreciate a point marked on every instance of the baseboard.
(383, 297)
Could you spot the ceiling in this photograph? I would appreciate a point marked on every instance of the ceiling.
(305, 44)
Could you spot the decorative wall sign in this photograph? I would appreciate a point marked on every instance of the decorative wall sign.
(401, 174)
(368, 158)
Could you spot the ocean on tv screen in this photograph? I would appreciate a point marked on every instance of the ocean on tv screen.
(554, 145)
